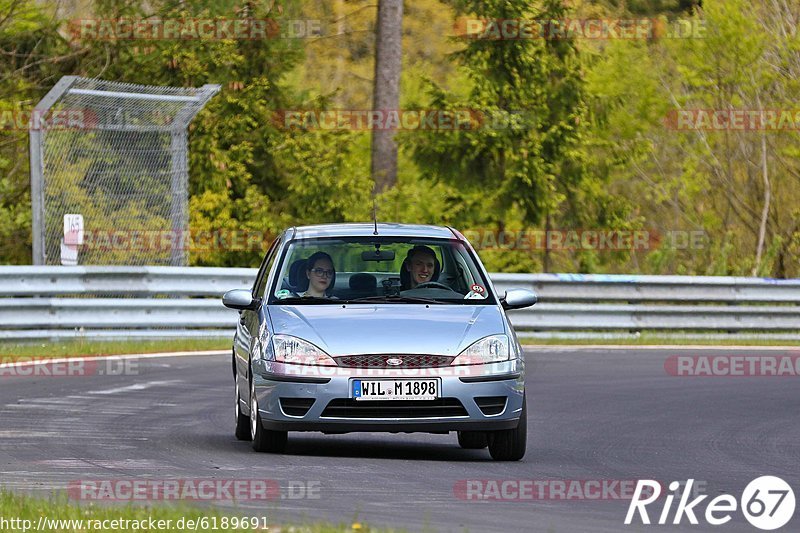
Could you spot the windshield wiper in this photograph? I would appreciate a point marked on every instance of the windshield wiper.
(394, 298)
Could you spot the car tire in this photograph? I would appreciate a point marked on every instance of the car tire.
(242, 420)
(473, 440)
(509, 444)
(264, 440)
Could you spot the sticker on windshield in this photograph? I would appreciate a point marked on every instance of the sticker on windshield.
(476, 293)
(283, 293)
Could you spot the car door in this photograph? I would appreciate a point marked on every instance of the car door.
(250, 322)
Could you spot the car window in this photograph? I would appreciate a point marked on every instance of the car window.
(266, 267)
(355, 268)
(461, 274)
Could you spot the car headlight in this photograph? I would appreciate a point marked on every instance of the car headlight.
(491, 349)
(288, 349)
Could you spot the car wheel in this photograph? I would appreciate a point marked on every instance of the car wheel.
(264, 440)
(473, 440)
(242, 420)
(509, 444)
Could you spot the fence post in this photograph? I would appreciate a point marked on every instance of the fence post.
(125, 168)
(37, 166)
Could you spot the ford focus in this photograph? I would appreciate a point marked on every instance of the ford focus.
(378, 327)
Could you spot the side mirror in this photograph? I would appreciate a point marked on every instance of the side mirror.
(240, 299)
(518, 299)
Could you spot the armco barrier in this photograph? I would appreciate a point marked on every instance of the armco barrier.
(52, 302)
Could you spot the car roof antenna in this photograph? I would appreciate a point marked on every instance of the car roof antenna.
(375, 216)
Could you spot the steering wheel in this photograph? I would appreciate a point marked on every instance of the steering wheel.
(433, 285)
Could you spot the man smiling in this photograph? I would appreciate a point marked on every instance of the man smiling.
(421, 264)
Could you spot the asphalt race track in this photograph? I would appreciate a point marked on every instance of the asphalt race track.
(594, 414)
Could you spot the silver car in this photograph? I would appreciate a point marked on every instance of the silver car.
(378, 327)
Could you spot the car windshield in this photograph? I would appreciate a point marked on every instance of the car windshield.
(401, 270)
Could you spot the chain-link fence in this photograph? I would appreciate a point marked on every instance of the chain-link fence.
(117, 155)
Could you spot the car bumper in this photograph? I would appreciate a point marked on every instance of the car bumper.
(477, 398)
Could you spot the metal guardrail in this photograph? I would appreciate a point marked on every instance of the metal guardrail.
(51, 302)
(681, 289)
(132, 281)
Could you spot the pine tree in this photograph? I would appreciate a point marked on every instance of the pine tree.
(526, 153)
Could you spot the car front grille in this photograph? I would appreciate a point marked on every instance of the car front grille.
(348, 408)
(380, 361)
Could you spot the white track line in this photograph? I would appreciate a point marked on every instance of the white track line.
(526, 348)
(136, 387)
(27, 361)
(698, 347)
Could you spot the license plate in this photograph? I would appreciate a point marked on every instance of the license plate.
(396, 389)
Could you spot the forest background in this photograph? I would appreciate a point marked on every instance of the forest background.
(577, 135)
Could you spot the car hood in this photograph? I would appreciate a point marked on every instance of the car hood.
(388, 328)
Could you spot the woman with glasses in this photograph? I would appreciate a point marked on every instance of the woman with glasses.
(321, 275)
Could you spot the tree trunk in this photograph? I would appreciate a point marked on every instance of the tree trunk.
(339, 71)
(548, 227)
(762, 230)
(386, 92)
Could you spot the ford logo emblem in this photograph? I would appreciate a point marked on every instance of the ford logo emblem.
(394, 361)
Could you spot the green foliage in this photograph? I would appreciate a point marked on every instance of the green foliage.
(570, 134)
(702, 179)
(82, 347)
(528, 153)
(59, 513)
(34, 55)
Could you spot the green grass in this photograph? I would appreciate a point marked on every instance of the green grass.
(15, 506)
(83, 347)
(645, 340)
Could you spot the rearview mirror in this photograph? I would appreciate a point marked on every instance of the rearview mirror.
(518, 299)
(239, 299)
(378, 255)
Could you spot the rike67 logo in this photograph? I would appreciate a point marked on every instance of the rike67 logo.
(767, 503)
